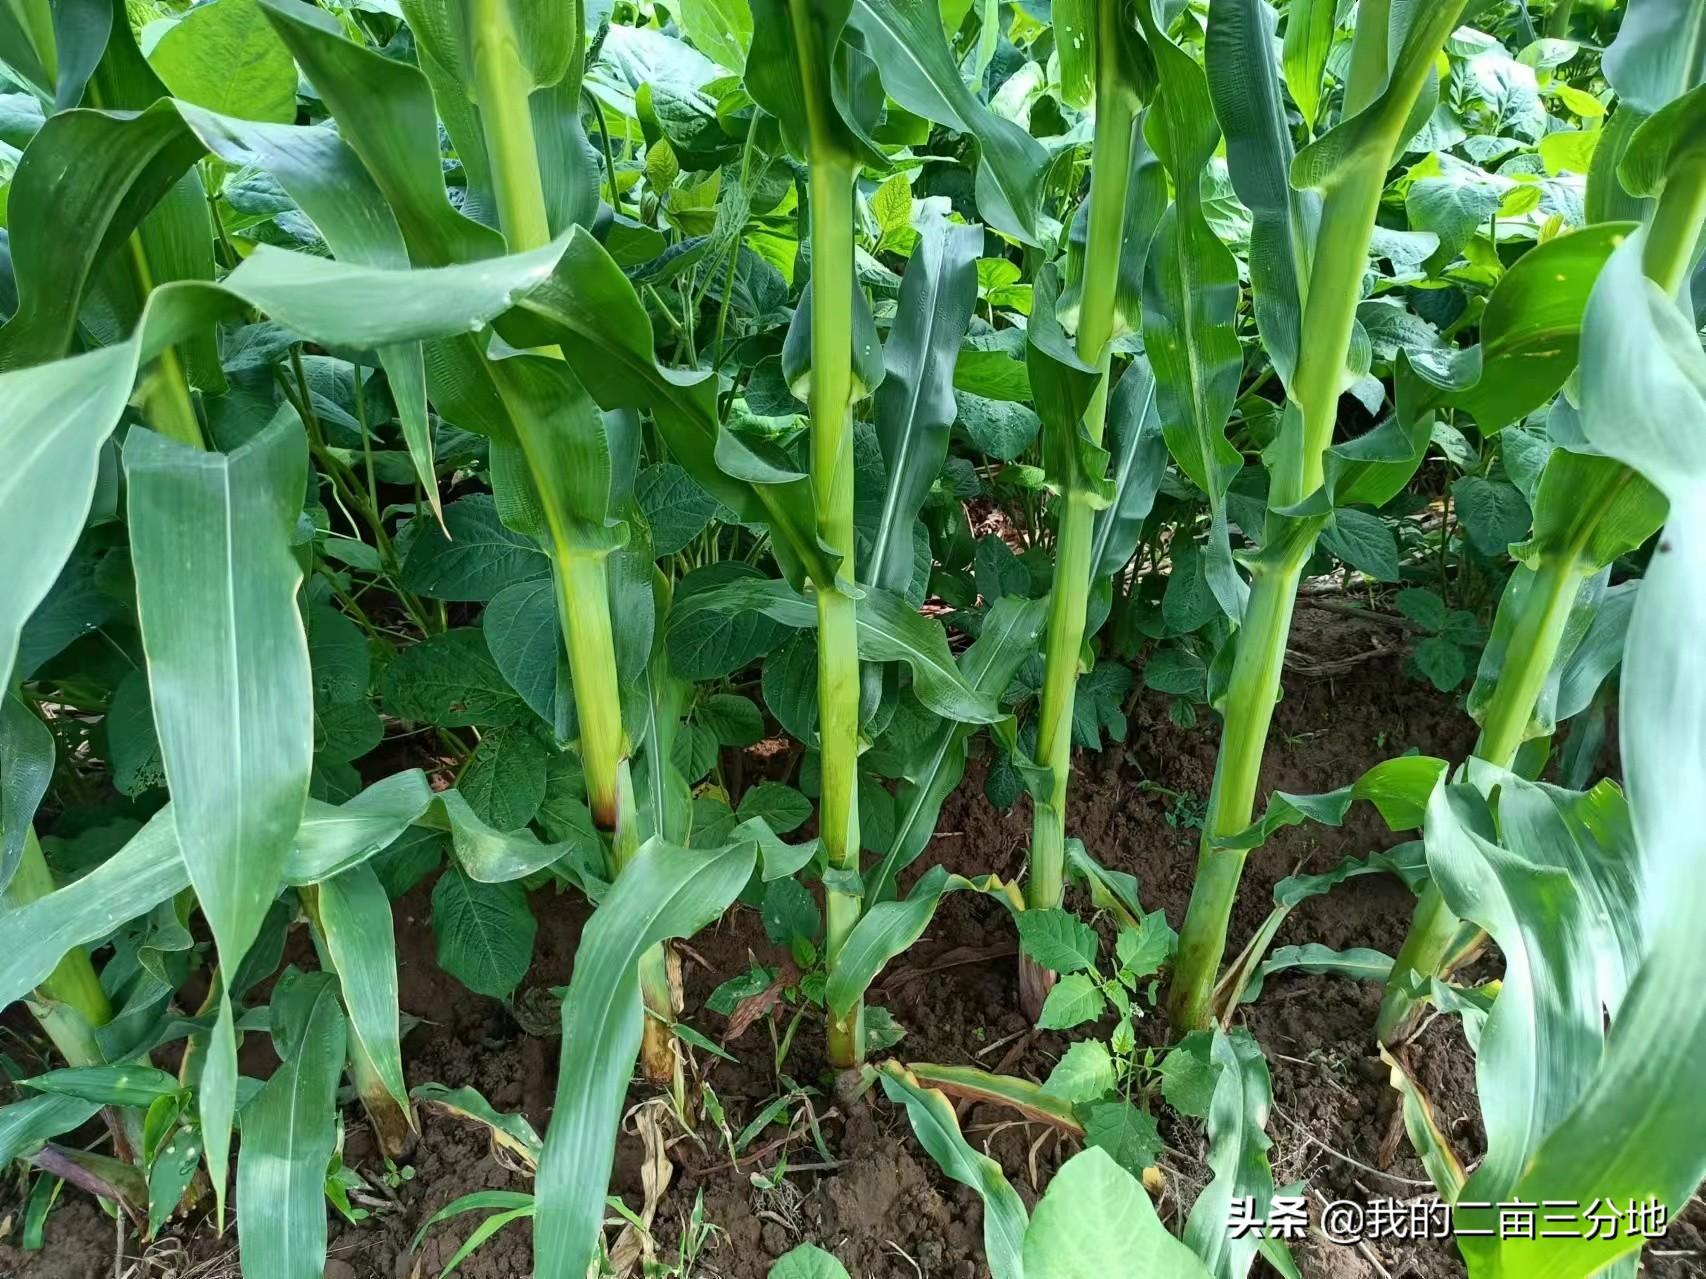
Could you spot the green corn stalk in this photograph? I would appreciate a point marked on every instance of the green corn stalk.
(1668, 254)
(1378, 103)
(582, 579)
(833, 171)
(1117, 104)
(71, 1004)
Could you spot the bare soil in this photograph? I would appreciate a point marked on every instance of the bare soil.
(877, 1201)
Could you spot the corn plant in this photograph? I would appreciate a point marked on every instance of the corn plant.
(566, 404)
(1073, 384)
(1318, 228)
(1591, 509)
(1574, 1035)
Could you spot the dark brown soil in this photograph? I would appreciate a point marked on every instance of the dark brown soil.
(877, 1201)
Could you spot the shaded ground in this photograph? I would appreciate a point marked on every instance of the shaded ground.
(876, 1200)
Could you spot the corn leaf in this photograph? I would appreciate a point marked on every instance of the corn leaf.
(1530, 334)
(1190, 302)
(1635, 1131)
(589, 309)
(26, 768)
(210, 537)
(938, 1131)
(934, 767)
(1659, 53)
(1139, 456)
(1309, 28)
(355, 916)
(53, 418)
(1237, 1154)
(919, 72)
(888, 928)
(288, 1137)
(1244, 85)
(26, 1124)
(664, 892)
(915, 406)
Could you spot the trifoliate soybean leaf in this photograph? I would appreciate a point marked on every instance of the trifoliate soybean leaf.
(414, 855)
(999, 571)
(1423, 607)
(1099, 706)
(225, 56)
(882, 1031)
(694, 752)
(1001, 428)
(1125, 1132)
(478, 558)
(708, 643)
(1177, 671)
(485, 932)
(1096, 1220)
(992, 375)
(807, 1261)
(732, 719)
(450, 680)
(891, 204)
(1057, 939)
(726, 997)
(713, 819)
(1002, 784)
(1188, 1075)
(790, 687)
(1188, 603)
(1492, 512)
(75, 606)
(675, 507)
(1073, 1001)
(525, 641)
(504, 779)
(346, 731)
(780, 805)
(337, 655)
(721, 29)
(1084, 1073)
(133, 749)
(877, 817)
(790, 913)
(1442, 661)
(563, 813)
(1363, 541)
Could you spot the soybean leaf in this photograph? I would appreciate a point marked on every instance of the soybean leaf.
(485, 932)
(807, 1261)
(224, 56)
(1095, 1220)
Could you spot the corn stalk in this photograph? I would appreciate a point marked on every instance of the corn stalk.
(1350, 166)
(501, 81)
(1117, 105)
(833, 170)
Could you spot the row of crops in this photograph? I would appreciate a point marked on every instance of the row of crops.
(461, 441)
